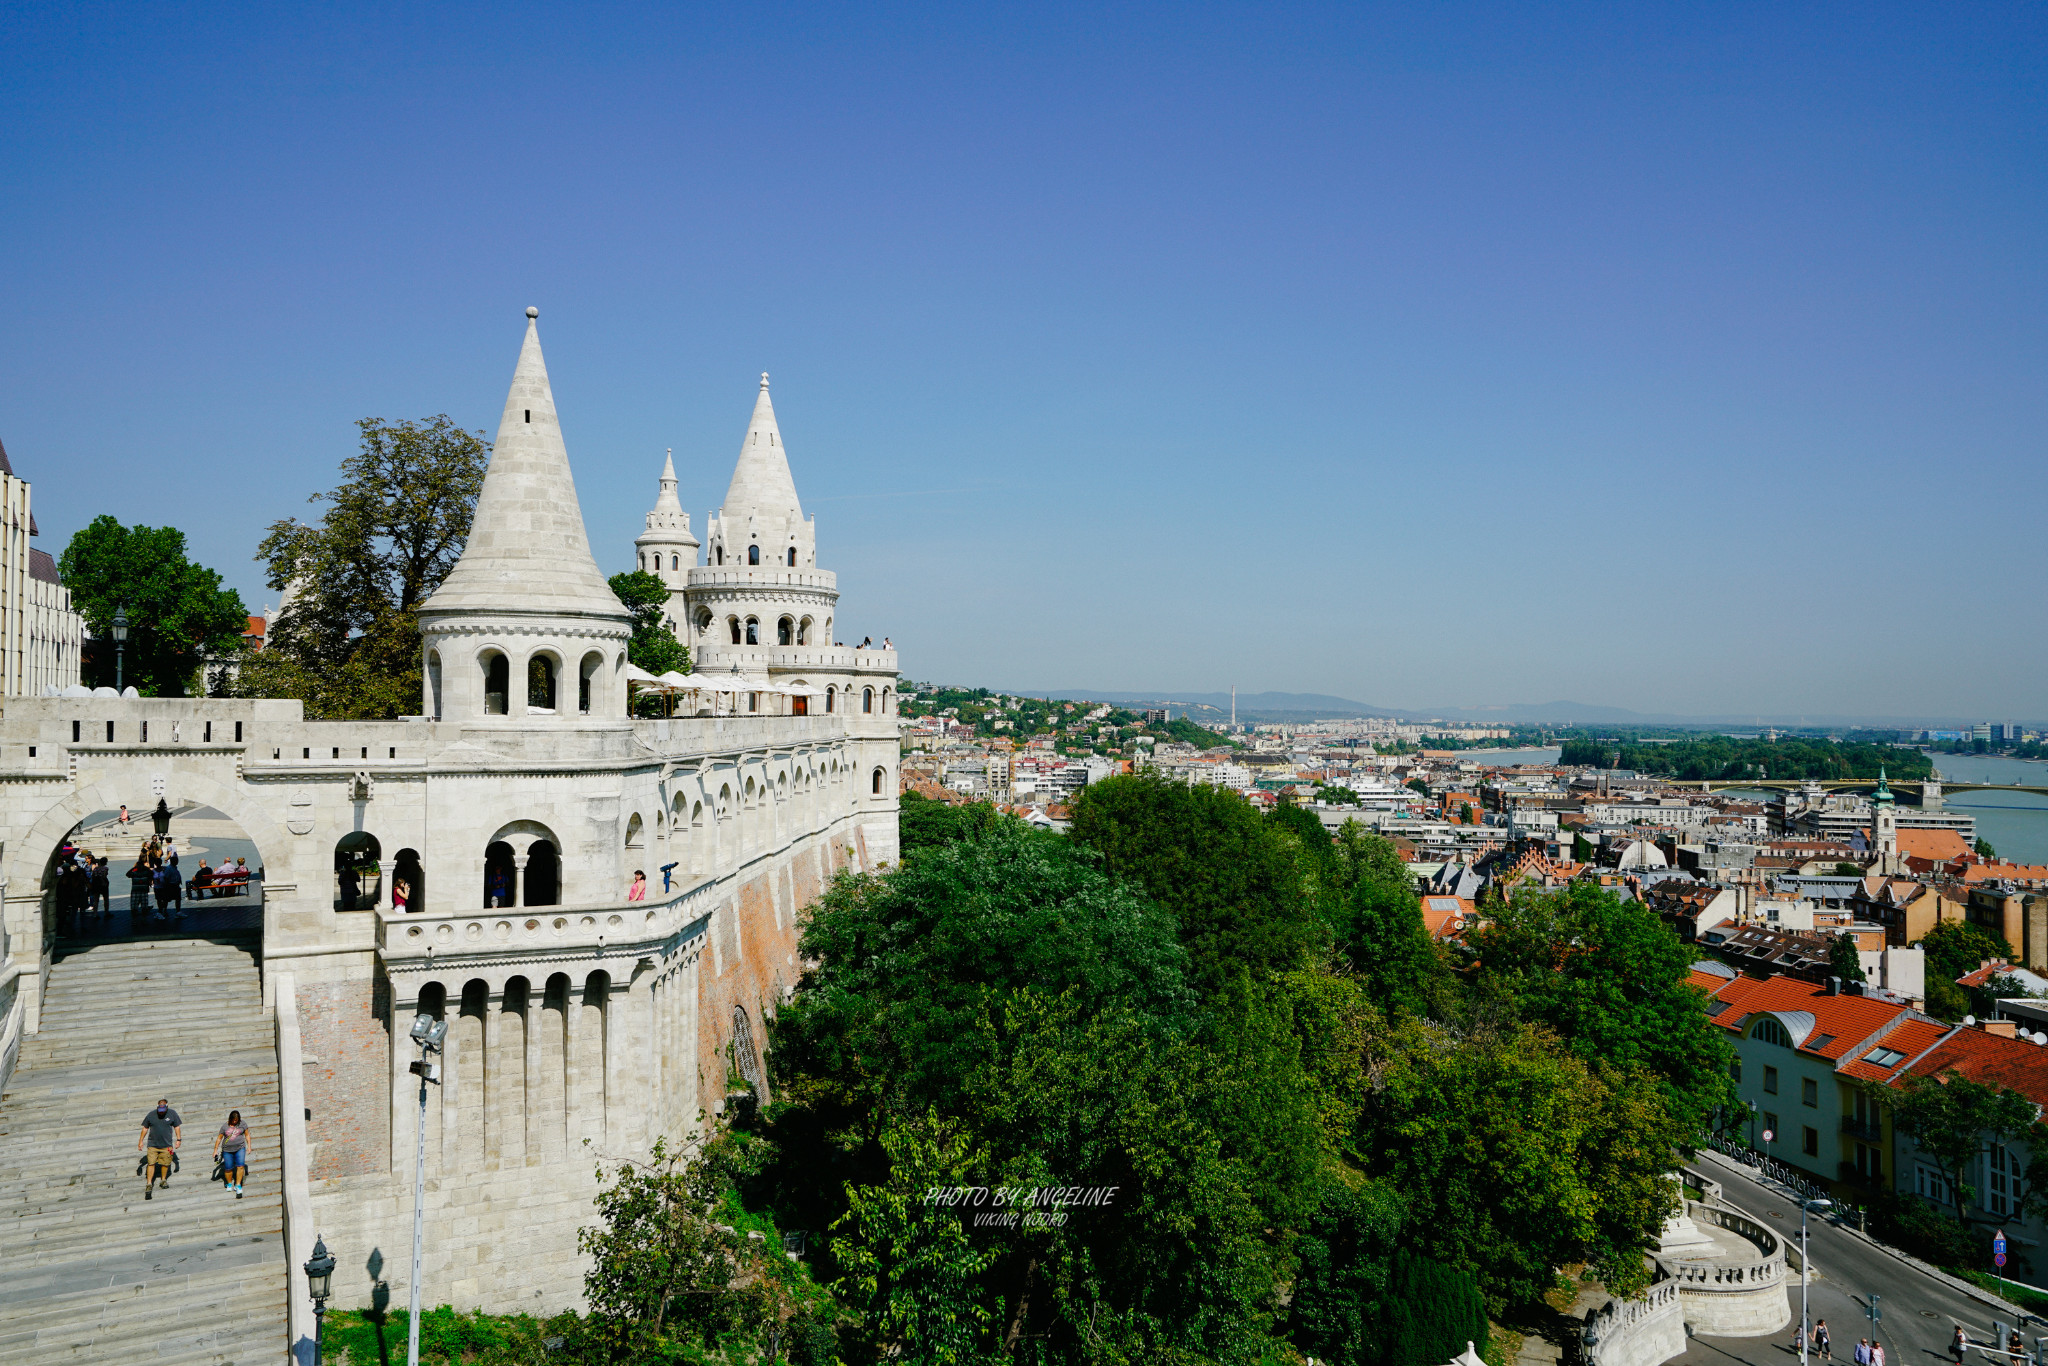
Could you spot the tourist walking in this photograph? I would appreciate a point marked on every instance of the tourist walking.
(1821, 1343)
(231, 1147)
(162, 1135)
(124, 814)
(1799, 1338)
(140, 880)
(638, 891)
(102, 899)
(1863, 1352)
(1876, 1353)
(1959, 1345)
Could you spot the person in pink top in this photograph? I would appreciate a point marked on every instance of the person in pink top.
(638, 891)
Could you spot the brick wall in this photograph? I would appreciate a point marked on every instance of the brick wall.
(345, 1030)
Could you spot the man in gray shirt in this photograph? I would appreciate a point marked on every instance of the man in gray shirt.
(159, 1140)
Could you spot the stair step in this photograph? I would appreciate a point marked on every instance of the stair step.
(92, 1272)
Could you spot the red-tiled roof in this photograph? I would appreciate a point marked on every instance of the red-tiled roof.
(1910, 1038)
(1840, 1023)
(1990, 1060)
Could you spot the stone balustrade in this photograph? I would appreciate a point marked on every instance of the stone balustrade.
(1728, 1296)
(1640, 1332)
(517, 936)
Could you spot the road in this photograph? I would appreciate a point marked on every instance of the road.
(1919, 1313)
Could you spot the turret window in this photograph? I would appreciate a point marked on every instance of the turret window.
(792, 557)
(803, 631)
(540, 683)
(529, 414)
(675, 562)
(867, 699)
(753, 554)
(785, 632)
(753, 631)
(734, 623)
(830, 694)
(719, 552)
(497, 679)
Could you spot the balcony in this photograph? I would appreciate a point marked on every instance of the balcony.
(1868, 1129)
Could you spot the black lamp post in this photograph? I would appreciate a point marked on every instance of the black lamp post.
(120, 642)
(161, 817)
(319, 1279)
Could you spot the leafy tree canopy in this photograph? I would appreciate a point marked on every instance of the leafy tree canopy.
(1208, 857)
(1950, 1118)
(1723, 757)
(922, 823)
(178, 613)
(1843, 961)
(1613, 981)
(347, 640)
(653, 646)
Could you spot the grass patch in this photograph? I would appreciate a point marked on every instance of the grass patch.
(2031, 1300)
(1501, 1347)
(447, 1338)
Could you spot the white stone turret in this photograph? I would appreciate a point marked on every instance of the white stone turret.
(667, 548)
(525, 627)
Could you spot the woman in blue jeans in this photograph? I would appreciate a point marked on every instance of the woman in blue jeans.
(231, 1146)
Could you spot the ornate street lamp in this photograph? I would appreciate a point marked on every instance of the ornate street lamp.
(120, 642)
(161, 817)
(319, 1281)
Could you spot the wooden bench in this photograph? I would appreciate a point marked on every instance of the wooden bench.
(222, 884)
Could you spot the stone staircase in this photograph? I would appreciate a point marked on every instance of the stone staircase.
(89, 1271)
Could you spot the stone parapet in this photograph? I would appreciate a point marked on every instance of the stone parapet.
(1640, 1332)
(1740, 1292)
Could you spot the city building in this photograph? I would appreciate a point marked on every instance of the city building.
(41, 637)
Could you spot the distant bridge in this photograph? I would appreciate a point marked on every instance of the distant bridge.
(1859, 785)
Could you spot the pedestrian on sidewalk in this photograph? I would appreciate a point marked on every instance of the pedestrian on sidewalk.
(1876, 1353)
(162, 1135)
(1863, 1352)
(1799, 1338)
(1959, 1345)
(102, 899)
(124, 813)
(638, 891)
(164, 876)
(1821, 1342)
(231, 1146)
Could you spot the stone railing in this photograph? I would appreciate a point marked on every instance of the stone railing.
(539, 932)
(1640, 1332)
(13, 1007)
(1731, 1296)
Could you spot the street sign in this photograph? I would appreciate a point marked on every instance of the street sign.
(1998, 1259)
(1769, 1137)
(1998, 1244)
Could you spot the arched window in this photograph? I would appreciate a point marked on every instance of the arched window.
(703, 621)
(675, 562)
(635, 832)
(753, 630)
(785, 632)
(880, 773)
(830, 694)
(586, 680)
(499, 875)
(434, 684)
(497, 682)
(543, 875)
(792, 557)
(867, 699)
(1768, 1030)
(540, 683)
(407, 869)
(720, 553)
(734, 623)
(358, 875)
(753, 554)
(803, 631)
(885, 701)
(724, 801)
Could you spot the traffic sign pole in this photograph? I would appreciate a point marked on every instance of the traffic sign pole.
(1998, 1260)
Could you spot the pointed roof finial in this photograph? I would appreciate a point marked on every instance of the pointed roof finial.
(532, 312)
(764, 381)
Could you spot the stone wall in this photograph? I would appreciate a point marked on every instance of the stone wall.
(345, 1032)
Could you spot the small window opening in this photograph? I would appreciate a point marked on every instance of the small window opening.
(721, 554)
(366, 751)
(337, 751)
(74, 732)
(305, 754)
(394, 752)
(675, 562)
(753, 631)
(208, 735)
(110, 732)
(238, 732)
(529, 414)
(792, 557)
(753, 554)
(145, 732)
(31, 751)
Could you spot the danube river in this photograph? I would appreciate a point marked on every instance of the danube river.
(2015, 823)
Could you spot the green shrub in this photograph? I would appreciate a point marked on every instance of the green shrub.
(1435, 1310)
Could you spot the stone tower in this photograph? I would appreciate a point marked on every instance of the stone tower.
(1884, 826)
(524, 628)
(667, 548)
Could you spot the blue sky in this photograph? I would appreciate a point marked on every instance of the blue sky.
(1686, 359)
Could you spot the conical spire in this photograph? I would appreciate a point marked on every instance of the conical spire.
(668, 502)
(761, 482)
(528, 552)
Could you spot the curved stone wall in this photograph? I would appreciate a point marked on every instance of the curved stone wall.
(1734, 1299)
(1644, 1332)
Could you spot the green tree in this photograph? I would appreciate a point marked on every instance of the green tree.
(1206, 855)
(922, 823)
(1985, 851)
(1380, 931)
(1437, 1312)
(653, 646)
(663, 1266)
(1615, 982)
(178, 613)
(1843, 961)
(1520, 1158)
(1345, 1272)
(1954, 948)
(1848, 870)
(1950, 1119)
(911, 1272)
(347, 641)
